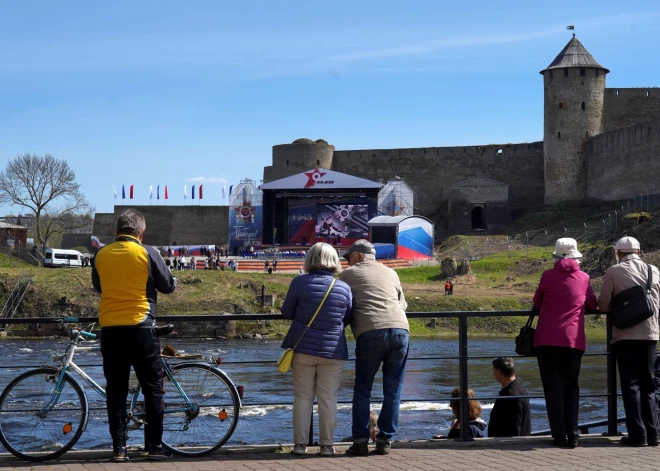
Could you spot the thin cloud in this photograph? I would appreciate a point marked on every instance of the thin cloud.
(477, 39)
(207, 180)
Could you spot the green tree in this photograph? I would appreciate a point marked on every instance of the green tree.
(46, 186)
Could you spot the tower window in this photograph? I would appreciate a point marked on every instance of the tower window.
(617, 93)
(551, 74)
(559, 135)
(561, 105)
(647, 93)
(565, 72)
(587, 133)
(597, 72)
(287, 161)
(582, 72)
(584, 107)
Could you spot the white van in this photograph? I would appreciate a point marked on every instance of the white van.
(55, 258)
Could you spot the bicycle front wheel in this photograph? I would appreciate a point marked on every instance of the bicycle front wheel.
(205, 424)
(36, 422)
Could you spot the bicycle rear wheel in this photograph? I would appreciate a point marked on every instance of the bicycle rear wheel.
(212, 419)
(32, 428)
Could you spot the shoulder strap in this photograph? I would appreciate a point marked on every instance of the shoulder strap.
(649, 282)
(315, 314)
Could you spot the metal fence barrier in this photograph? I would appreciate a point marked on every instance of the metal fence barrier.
(462, 357)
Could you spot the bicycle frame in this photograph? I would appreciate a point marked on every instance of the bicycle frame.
(67, 364)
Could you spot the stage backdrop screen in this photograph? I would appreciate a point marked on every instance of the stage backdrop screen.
(346, 221)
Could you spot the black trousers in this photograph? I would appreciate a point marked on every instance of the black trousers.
(123, 347)
(635, 360)
(560, 370)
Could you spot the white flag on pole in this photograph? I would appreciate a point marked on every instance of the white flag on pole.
(151, 192)
(185, 192)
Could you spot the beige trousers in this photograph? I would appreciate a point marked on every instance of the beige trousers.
(318, 376)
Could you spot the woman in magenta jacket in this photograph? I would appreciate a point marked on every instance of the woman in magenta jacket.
(562, 296)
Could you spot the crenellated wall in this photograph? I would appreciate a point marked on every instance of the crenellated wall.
(627, 106)
(623, 162)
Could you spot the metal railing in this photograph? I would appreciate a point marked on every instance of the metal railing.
(462, 357)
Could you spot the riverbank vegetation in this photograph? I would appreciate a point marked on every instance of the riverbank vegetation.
(501, 281)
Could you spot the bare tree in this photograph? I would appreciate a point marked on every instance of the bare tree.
(47, 186)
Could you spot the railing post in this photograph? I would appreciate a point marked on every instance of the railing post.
(611, 384)
(463, 376)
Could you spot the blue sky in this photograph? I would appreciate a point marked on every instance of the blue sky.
(183, 92)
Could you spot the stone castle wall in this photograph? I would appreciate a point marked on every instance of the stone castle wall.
(429, 170)
(627, 106)
(623, 162)
(168, 224)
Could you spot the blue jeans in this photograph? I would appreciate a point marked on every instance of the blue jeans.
(389, 347)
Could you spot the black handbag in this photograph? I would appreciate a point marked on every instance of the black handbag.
(633, 305)
(525, 339)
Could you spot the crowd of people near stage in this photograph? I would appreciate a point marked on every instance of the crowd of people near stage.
(369, 297)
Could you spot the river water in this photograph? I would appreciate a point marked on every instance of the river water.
(426, 382)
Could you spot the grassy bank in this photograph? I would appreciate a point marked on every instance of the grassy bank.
(503, 281)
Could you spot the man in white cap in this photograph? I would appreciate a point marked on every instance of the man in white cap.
(634, 347)
(380, 327)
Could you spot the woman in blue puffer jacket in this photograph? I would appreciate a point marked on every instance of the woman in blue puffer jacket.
(319, 358)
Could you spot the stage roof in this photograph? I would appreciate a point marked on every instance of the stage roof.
(320, 179)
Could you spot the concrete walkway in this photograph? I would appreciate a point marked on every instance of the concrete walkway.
(594, 453)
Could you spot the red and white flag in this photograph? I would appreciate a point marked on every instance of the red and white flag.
(200, 191)
(130, 192)
(167, 196)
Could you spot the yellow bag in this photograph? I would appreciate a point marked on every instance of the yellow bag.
(284, 363)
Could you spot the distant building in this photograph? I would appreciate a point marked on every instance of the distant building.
(12, 235)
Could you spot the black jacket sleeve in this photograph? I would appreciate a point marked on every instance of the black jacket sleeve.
(163, 279)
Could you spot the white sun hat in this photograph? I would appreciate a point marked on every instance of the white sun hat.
(566, 248)
(627, 244)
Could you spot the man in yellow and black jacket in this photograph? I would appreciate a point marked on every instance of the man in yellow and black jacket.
(128, 275)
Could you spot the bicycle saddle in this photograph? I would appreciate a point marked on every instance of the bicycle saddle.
(164, 330)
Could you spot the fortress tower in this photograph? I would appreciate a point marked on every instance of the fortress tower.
(574, 91)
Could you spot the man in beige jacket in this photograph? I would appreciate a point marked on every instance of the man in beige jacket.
(634, 347)
(380, 328)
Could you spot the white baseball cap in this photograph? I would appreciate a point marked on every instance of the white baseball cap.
(566, 248)
(627, 244)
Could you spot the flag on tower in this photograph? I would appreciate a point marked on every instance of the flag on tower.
(193, 192)
(230, 187)
(223, 191)
(151, 192)
(185, 192)
(130, 192)
(115, 191)
(571, 27)
(200, 192)
(166, 195)
(158, 192)
(123, 193)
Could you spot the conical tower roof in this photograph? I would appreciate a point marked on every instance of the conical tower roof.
(574, 55)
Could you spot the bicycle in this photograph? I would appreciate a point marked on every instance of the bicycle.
(43, 412)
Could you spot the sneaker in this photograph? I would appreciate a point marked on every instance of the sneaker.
(383, 447)
(359, 449)
(159, 453)
(300, 449)
(119, 455)
(573, 441)
(327, 450)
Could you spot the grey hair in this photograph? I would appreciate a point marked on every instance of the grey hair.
(505, 366)
(322, 256)
(131, 222)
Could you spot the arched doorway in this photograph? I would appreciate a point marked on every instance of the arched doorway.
(478, 218)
